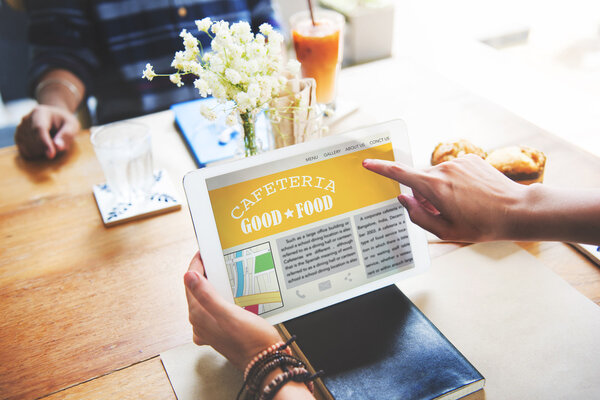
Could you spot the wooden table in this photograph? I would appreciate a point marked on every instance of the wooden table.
(85, 310)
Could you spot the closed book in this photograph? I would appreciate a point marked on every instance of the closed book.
(380, 346)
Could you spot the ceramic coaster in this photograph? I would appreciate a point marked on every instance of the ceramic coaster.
(162, 199)
(592, 251)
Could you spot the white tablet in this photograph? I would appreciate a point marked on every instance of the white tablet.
(297, 229)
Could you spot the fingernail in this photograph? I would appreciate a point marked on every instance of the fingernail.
(191, 278)
(366, 161)
(60, 143)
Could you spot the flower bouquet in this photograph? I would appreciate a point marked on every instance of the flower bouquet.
(243, 69)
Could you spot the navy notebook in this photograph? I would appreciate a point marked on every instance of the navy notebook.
(211, 141)
(380, 346)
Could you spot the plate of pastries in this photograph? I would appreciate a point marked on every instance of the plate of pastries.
(522, 164)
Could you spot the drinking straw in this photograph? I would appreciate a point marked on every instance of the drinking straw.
(312, 15)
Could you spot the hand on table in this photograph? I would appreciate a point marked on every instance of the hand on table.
(237, 334)
(465, 199)
(46, 131)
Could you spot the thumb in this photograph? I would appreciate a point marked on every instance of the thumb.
(191, 279)
(48, 143)
(205, 293)
(419, 215)
(63, 138)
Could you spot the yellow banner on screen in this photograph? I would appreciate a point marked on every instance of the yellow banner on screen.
(275, 203)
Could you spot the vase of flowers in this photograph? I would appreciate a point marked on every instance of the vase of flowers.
(243, 70)
(248, 122)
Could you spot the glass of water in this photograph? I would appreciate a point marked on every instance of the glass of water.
(124, 150)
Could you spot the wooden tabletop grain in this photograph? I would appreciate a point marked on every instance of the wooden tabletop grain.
(85, 310)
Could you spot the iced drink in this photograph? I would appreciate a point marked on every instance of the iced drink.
(318, 48)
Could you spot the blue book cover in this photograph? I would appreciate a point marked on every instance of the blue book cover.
(211, 141)
(380, 346)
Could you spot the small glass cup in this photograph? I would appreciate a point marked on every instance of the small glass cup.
(124, 150)
(319, 50)
(298, 127)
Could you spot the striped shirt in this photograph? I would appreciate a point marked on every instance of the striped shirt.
(107, 44)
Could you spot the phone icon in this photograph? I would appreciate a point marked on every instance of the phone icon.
(302, 296)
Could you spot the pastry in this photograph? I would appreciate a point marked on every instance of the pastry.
(520, 163)
(450, 150)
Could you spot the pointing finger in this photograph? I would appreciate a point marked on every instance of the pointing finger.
(399, 172)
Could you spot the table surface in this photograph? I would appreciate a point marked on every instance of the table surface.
(85, 310)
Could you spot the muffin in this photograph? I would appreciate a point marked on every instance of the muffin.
(520, 163)
(450, 150)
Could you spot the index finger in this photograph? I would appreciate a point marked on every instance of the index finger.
(399, 172)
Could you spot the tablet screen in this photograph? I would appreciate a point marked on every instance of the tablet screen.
(307, 226)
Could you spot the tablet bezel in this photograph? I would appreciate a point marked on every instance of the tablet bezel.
(208, 238)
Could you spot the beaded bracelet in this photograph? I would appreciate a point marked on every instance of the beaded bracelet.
(281, 362)
(260, 363)
(279, 346)
(278, 355)
(283, 357)
(257, 374)
(297, 374)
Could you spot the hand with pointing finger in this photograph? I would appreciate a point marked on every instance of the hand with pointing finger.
(468, 200)
(465, 199)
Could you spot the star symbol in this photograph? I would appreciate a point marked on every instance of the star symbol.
(289, 213)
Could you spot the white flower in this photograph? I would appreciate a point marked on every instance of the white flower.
(231, 119)
(176, 79)
(275, 41)
(219, 92)
(149, 72)
(178, 60)
(265, 29)
(196, 68)
(253, 91)
(208, 112)
(202, 86)
(260, 39)
(220, 28)
(233, 76)
(243, 101)
(243, 31)
(242, 67)
(189, 41)
(204, 24)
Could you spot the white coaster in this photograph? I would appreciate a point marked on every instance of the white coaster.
(162, 199)
(592, 251)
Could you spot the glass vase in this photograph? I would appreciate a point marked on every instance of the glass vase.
(251, 143)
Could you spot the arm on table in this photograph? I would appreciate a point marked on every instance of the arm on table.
(51, 126)
(466, 199)
(63, 40)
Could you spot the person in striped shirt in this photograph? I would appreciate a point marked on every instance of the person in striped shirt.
(99, 48)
